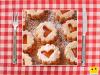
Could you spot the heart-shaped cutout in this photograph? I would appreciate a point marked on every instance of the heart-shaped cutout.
(71, 28)
(47, 31)
(24, 39)
(48, 54)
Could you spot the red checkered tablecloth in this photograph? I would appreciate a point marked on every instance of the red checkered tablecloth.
(6, 35)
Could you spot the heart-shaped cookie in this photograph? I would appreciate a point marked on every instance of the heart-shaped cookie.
(48, 53)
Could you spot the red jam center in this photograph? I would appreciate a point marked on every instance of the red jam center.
(72, 29)
(25, 39)
(48, 54)
(47, 31)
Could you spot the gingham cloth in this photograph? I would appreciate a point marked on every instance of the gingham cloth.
(6, 36)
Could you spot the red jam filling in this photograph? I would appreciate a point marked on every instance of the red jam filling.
(25, 39)
(47, 31)
(48, 54)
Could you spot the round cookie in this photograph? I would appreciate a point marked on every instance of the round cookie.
(46, 32)
(69, 30)
(49, 54)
